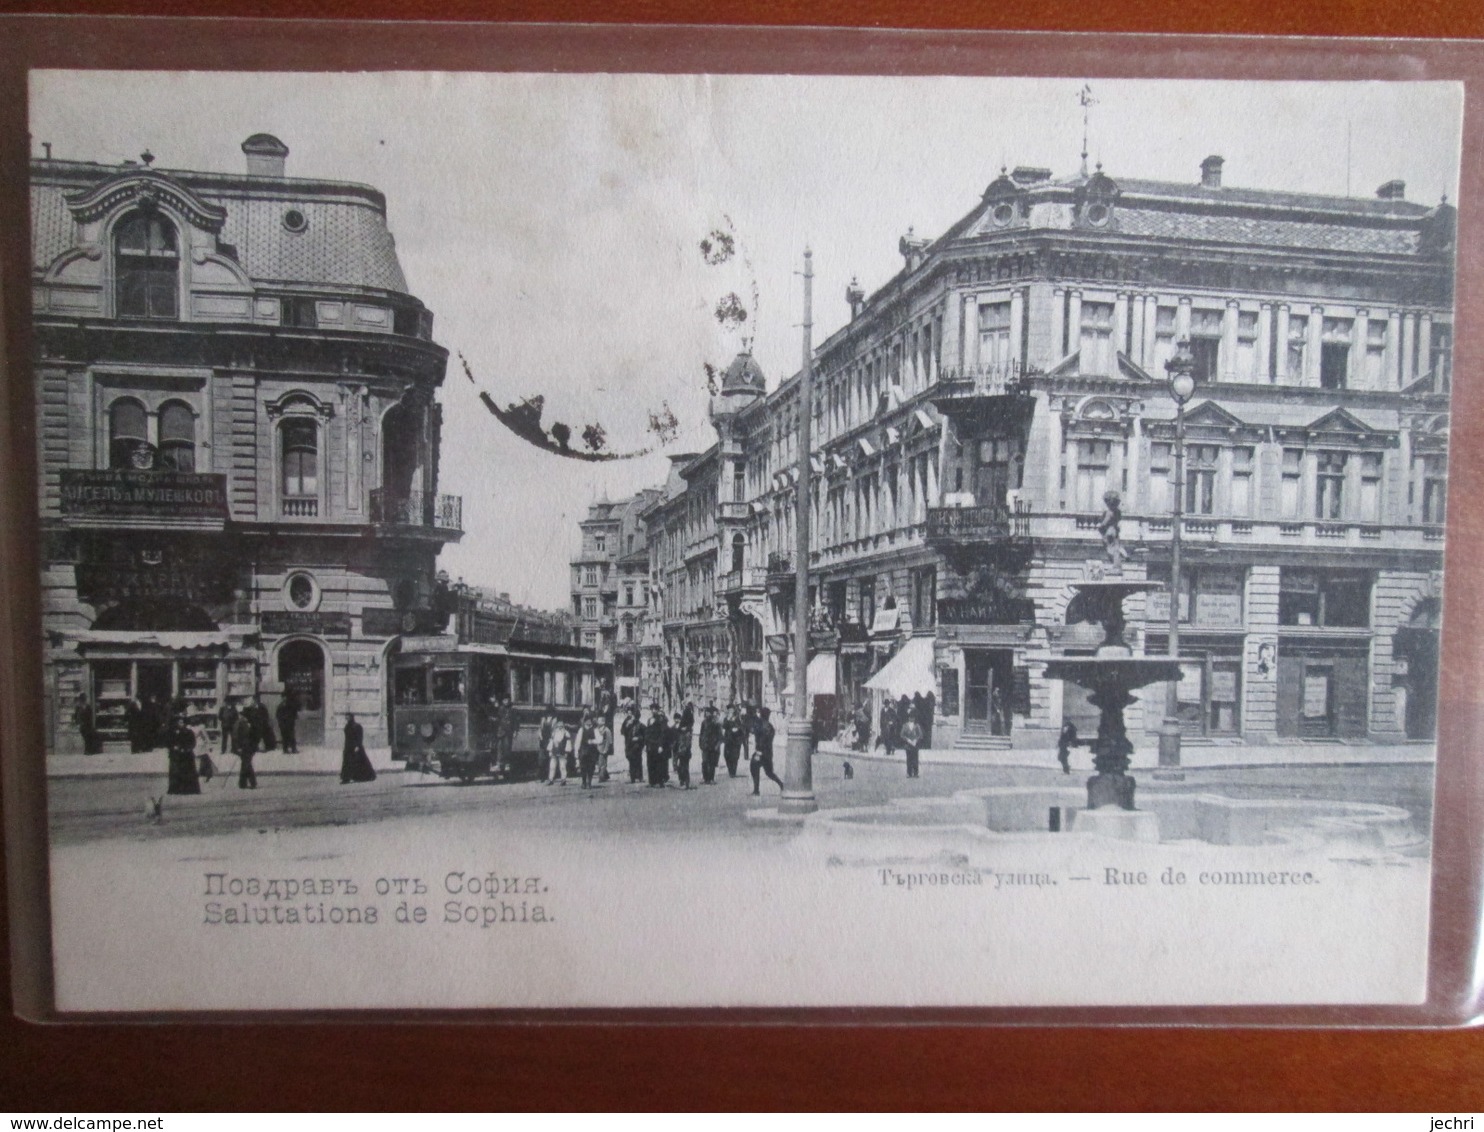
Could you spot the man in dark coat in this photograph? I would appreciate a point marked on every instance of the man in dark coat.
(680, 750)
(710, 745)
(633, 743)
(288, 719)
(245, 746)
(504, 736)
(134, 722)
(657, 746)
(888, 736)
(929, 705)
(762, 752)
(355, 764)
(87, 725)
(733, 737)
(262, 725)
(227, 717)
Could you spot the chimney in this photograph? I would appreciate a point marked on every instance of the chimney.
(856, 297)
(1211, 172)
(1393, 190)
(265, 155)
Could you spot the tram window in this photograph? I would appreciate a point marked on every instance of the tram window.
(587, 688)
(448, 685)
(538, 687)
(412, 686)
(522, 684)
(560, 688)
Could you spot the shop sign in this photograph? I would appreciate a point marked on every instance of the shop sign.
(283, 621)
(993, 609)
(120, 493)
(383, 622)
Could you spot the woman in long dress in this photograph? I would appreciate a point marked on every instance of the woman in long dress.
(355, 764)
(182, 744)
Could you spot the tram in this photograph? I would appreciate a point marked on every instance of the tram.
(444, 693)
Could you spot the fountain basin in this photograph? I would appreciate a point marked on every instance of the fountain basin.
(971, 823)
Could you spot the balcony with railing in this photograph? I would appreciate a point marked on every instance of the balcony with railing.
(418, 511)
(1004, 379)
(740, 581)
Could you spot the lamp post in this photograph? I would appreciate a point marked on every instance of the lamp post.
(1181, 369)
(798, 769)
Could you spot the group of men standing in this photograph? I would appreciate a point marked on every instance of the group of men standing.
(656, 746)
(582, 750)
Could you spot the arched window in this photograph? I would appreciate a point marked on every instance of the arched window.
(146, 267)
(300, 467)
(177, 437)
(739, 553)
(128, 435)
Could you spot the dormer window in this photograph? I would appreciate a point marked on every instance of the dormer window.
(146, 267)
(1002, 214)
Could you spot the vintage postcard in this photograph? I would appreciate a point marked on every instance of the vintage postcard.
(629, 540)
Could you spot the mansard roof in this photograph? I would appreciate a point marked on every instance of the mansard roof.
(344, 240)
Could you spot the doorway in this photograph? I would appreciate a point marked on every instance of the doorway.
(301, 670)
(987, 687)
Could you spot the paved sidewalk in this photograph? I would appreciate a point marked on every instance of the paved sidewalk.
(309, 760)
(1191, 755)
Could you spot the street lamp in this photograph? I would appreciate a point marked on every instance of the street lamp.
(1181, 369)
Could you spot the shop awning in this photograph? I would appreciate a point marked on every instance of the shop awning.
(821, 676)
(909, 673)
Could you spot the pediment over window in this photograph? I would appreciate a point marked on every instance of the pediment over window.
(144, 188)
(1341, 420)
(1208, 414)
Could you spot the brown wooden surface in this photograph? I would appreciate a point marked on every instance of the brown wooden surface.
(460, 1066)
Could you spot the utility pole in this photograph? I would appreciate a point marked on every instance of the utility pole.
(798, 769)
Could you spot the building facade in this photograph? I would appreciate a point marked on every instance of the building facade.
(970, 418)
(610, 586)
(238, 439)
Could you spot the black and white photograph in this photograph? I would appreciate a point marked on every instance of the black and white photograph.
(567, 540)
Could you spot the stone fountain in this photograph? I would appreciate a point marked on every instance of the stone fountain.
(1111, 675)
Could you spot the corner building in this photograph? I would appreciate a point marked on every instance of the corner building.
(971, 415)
(238, 443)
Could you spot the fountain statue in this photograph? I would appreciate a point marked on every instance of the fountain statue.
(1114, 671)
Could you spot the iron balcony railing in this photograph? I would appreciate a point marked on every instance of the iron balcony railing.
(417, 509)
(998, 380)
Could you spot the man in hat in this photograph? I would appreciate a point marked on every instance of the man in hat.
(680, 740)
(762, 752)
(657, 746)
(732, 738)
(633, 742)
(710, 745)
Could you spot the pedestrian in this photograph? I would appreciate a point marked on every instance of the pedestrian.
(355, 764)
(262, 724)
(181, 742)
(862, 726)
(1064, 744)
(87, 725)
(633, 743)
(888, 736)
(999, 721)
(680, 751)
(226, 717)
(710, 745)
(688, 715)
(545, 740)
(134, 724)
(732, 739)
(762, 752)
(561, 751)
(604, 742)
(287, 715)
(244, 746)
(904, 713)
(657, 746)
(504, 737)
(911, 737)
(587, 749)
(925, 719)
